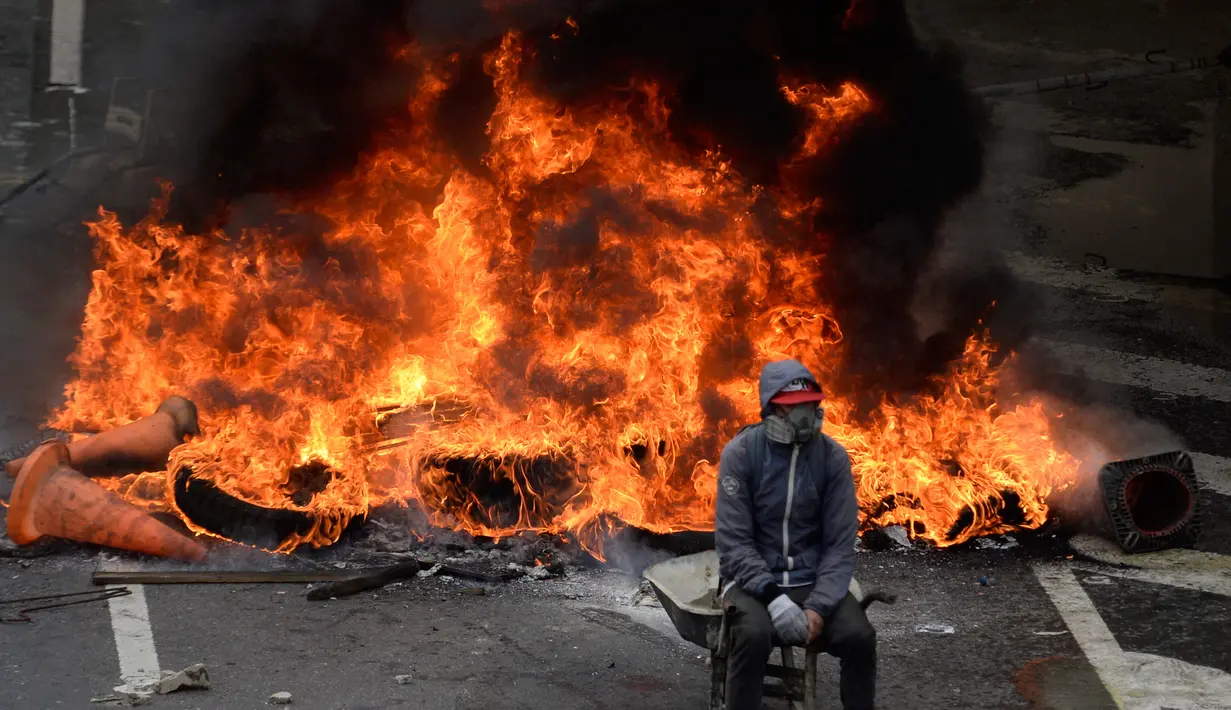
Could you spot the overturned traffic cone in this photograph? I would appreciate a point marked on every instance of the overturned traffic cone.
(50, 498)
(143, 445)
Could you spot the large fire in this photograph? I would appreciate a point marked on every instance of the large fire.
(530, 348)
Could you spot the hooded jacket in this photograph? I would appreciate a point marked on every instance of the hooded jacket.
(793, 522)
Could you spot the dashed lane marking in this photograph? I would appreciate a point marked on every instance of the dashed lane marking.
(1106, 284)
(1157, 374)
(134, 641)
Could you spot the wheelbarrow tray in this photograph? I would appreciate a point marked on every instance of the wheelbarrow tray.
(688, 589)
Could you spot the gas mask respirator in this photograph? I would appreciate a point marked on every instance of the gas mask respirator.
(796, 425)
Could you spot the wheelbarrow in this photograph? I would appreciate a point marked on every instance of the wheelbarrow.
(687, 587)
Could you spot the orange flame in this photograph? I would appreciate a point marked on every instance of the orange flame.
(436, 350)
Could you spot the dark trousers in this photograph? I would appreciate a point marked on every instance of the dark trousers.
(847, 635)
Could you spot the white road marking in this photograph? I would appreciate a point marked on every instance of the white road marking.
(1096, 640)
(1214, 472)
(67, 31)
(1177, 685)
(1153, 373)
(1213, 581)
(1058, 273)
(134, 641)
(1136, 681)
(1106, 284)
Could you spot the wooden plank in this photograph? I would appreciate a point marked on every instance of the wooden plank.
(240, 567)
(206, 576)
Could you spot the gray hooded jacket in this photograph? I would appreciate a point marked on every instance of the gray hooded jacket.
(792, 523)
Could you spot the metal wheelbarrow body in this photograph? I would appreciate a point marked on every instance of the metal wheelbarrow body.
(687, 587)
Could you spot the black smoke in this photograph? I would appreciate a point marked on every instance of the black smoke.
(284, 97)
(271, 97)
(887, 183)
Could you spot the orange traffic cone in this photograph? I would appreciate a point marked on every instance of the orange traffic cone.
(50, 498)
(143, 445)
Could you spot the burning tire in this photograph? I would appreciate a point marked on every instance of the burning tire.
(205, 504)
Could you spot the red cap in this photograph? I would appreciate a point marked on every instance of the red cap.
(798, 392)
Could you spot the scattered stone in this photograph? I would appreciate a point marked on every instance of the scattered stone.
(934, 629)
(431, 571)
(898, 534)
(280, 698)
(645, 596)
(996, 542)
(540, 572)
(885, 539)
(403, 679)
(194, 677)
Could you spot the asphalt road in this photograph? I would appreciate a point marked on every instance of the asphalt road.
(1048, 628)
(1051, 629)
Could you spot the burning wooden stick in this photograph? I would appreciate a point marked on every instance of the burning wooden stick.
(143, 445)
(377, 578)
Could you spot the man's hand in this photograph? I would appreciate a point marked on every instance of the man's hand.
(816, 624)
(789, 621)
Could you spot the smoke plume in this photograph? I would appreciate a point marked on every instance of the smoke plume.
(287, 97)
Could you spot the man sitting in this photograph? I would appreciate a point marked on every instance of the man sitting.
(785, 533)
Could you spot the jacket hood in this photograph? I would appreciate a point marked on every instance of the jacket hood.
(776, 375)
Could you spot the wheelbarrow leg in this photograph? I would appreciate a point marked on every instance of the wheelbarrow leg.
(810, 679)
(718, 666)
(791, 679)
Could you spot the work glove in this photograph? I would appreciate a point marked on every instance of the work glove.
(789, 621)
